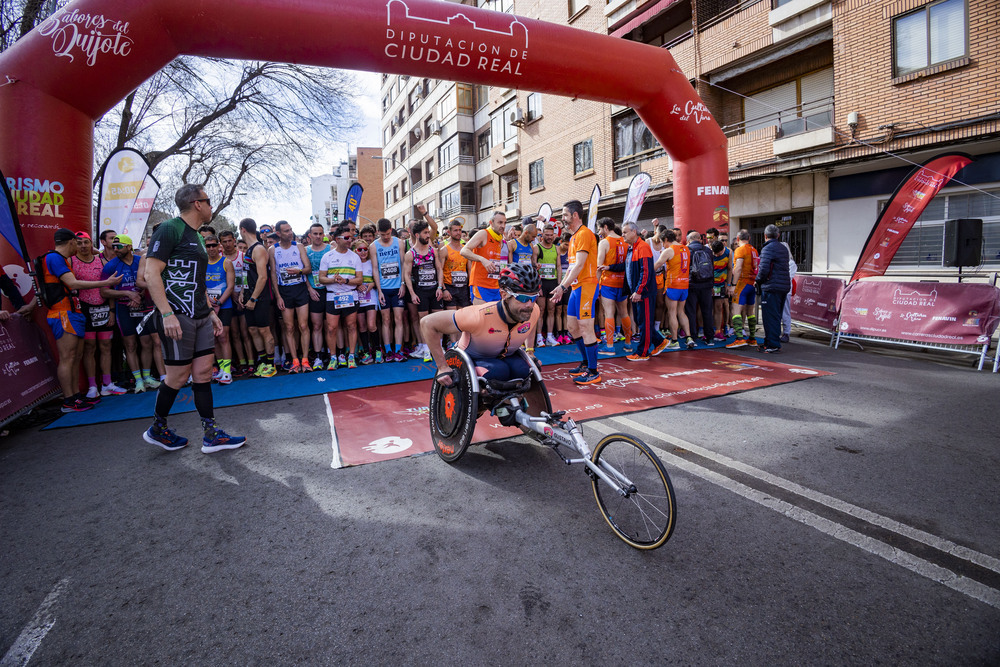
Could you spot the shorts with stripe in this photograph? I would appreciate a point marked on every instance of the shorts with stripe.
(197, 340)
(582, 302)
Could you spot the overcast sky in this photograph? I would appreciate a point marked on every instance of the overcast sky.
(297, 208)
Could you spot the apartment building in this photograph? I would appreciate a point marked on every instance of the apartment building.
(329, 191)
(827, 105)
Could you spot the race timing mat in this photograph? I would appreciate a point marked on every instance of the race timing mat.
(376, 424)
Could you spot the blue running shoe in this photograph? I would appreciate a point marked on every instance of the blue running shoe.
(164, 437)
(220, 441)
(605, 350)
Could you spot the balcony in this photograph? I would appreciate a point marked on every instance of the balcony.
(796, 120)
(794, 17)
(683, 50)
(448, 213)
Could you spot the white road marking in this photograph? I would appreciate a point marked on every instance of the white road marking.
(337, 462)
(31, 637)
(939, 543)
(956, 582)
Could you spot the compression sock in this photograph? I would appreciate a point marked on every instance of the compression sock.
(583, 348)
(738, 325)
(627, 328)
(591, 351)
(165, 396)
(609, 331)
(203, 399)
(752, 325)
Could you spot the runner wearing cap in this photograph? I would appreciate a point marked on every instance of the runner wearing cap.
(99, 318)
(129, 311)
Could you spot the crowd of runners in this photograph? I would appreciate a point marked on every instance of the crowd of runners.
(344, 296)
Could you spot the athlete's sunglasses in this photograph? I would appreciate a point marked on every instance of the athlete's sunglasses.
(525, 298)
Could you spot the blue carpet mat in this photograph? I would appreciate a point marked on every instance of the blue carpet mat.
(285, 385)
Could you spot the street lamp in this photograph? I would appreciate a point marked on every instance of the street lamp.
(409, 177)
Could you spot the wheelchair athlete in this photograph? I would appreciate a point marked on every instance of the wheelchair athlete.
(491, 332)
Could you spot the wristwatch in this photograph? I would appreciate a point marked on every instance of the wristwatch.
(253, 299)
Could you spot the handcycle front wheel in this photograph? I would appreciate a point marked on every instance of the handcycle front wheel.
(640, 507)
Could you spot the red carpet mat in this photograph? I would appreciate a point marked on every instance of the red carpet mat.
(390, 422)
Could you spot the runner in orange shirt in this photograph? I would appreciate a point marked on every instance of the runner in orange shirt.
(487, 254)
(743, 289)
(611, 250)
(582, 276)
(677, 257)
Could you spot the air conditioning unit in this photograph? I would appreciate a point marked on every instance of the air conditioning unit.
(517, 117)
(435, 127)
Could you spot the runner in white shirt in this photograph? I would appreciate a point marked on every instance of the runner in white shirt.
(340, 271)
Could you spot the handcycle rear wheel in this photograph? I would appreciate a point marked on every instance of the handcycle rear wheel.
(644, 517)
(454, 409)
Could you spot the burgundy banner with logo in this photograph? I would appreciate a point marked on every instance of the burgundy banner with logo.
(955, 313)
(904, 207)
(817, 300)
(377, 425)
(26, 369)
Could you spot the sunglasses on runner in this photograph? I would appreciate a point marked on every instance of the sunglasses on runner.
(525, 298)
(118, 246)
(211, 245)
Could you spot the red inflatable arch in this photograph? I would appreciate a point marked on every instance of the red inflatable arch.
(81, 61)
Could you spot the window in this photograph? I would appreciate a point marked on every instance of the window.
(457, 149)
(534, 106)
(429, 169)
(933, 34)
(486, 195)
(576, 6)
(448, 105)
(497, 5)
(801, 105)
(583, 156)
(482, 96)
(395, 193)
(387, 202)
(536, 174)
(447, 153)
(924, 245)
(501, 130)
(483, 145)
(632, 138)
(402, 152)
(466, 104)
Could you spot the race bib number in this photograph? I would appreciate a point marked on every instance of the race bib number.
(100, 316)
(137, 311)
(459, 279)
(366, 298)
(717, 290)
(389, 270)
(343, 300)
(524, 259)
(548, 271)
(214, 292)
(426, 276)
(496, 276)
(286, 278)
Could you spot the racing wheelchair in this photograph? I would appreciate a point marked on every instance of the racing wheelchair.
(631, 486)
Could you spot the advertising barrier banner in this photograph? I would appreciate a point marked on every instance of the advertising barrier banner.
(950, 313)
(817, 300)
(26, 369)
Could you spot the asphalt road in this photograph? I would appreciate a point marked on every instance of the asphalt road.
(848, 519)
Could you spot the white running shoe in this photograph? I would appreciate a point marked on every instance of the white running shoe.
(225, 378)
(93, 392)
(112, 389)
(539, 340)
(317, 364)
(150, 382)
(140, 386)
(418, 352)
(551, 340)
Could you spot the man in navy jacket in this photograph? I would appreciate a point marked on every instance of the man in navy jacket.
(641, 282)
(774, 283)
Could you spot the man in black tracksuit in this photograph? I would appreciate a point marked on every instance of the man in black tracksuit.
(774, 283)
(641, 282)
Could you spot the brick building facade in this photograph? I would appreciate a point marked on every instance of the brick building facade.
(827, 105)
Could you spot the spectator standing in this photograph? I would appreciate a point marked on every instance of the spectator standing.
(702, 280)
(774, 283)
(786, 316)
(175, 275)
